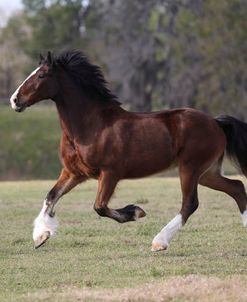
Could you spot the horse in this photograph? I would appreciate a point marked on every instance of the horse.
(103, 141)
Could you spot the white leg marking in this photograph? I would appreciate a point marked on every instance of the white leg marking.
(14, 95)
(163, 238)
(244, 217)
(44, 223)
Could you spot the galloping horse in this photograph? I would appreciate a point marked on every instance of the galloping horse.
(103, 141)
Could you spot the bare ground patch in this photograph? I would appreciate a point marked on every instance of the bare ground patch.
(179, 289)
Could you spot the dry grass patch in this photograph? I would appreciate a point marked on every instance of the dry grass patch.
(190, 288)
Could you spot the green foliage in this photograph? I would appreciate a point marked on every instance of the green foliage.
(153, 20)
(34, 6)
(216, 38)
(12, 56)
(55, 25)
(29, 143)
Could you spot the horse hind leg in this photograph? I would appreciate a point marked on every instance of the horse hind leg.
(107, 184)
(189, 181)
(234, 188)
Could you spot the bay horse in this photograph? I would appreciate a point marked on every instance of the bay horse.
(103, 141)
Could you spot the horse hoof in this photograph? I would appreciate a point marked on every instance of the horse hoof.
(156, 247)
(139, 213)
(42, 239)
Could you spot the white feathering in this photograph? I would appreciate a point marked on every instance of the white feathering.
(244, 218)
(167, 233)
(44, 223)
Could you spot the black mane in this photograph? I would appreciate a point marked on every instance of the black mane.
(86, 75)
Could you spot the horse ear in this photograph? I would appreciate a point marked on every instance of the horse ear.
(41, 57)
(49, 58)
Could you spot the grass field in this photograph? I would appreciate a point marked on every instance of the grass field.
(97, 259)
(29, 143)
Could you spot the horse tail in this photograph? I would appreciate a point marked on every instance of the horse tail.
(236, 140)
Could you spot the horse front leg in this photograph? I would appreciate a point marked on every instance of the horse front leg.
(46, 223)
(106, 187)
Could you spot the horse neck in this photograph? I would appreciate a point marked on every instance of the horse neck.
(78, 114)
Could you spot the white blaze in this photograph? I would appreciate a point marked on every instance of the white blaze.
(14, 95)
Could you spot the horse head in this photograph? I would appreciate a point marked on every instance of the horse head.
(39, 85)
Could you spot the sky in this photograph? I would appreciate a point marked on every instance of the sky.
(7, 7)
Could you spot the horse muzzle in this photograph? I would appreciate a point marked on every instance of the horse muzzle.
(17, 105)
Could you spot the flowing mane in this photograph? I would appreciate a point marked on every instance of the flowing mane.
(86, 75)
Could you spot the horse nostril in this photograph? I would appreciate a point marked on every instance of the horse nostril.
(15, 100)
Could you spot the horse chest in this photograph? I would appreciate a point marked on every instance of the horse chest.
(74, 161)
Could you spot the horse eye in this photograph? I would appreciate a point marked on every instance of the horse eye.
(41, 76)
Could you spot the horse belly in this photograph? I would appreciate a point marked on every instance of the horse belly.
(148, 158)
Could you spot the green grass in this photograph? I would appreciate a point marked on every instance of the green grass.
(93, 252)
(29, 143)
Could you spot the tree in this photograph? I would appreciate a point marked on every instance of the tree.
(55, 25)
(211, 56)
(162, 53)
(12, 56)
(156, 53)
(135, 48)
